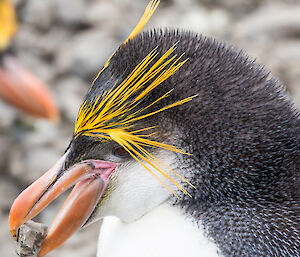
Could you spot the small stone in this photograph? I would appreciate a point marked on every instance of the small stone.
(39, 14)
(7, 115)
(85, 53)
(263, 23)
(203, 21)
(30, 165)
(70, 12)
(30, 237)
(102, 13)
(7, 187)
(70, 94)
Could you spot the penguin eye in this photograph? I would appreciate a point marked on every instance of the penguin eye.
(120, 152)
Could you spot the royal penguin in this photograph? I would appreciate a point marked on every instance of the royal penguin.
(185, 146)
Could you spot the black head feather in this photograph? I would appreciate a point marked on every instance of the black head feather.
(243, 132)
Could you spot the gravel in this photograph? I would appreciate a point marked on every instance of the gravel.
(66, 42)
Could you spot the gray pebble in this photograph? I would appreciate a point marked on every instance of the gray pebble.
(30, 237)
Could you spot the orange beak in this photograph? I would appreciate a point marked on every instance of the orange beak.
(90, 179)
(23, 90)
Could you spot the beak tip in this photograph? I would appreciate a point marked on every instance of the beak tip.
(15, 220)
(12, 226)
(14, 233)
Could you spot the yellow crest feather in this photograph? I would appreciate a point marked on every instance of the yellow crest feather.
(112, 115)
(150, 9)
(8, 25)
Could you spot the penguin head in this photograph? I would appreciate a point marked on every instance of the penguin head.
(129, 117)
(123, 156)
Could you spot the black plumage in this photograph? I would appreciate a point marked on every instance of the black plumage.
(243, 132)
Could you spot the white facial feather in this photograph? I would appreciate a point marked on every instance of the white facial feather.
(144, 222)
(133, 191)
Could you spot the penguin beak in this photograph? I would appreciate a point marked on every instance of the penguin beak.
(90, 179)
(23, 90)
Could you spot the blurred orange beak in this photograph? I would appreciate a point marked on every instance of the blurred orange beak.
(23, 90)
(90, 179)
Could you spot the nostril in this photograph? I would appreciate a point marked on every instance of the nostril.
(102, 168)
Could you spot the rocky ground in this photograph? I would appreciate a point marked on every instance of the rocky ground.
(66, 42)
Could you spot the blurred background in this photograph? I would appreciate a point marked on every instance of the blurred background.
(65, 43)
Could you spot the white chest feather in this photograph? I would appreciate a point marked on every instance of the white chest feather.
(164, 232)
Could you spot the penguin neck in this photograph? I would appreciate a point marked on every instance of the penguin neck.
(165, 231)
(245, 185)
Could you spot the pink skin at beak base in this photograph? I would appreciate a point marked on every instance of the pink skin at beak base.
(91, 178)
